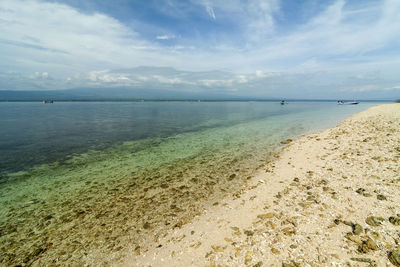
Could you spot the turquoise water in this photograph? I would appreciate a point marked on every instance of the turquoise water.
(34, 133)
(87, 182)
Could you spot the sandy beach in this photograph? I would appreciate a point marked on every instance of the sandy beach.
(328, 199)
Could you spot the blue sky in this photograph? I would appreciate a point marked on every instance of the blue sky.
(266, 48)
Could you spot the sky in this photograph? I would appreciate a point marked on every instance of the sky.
(257, 48)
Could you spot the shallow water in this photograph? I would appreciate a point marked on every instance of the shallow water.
(33, 133)
(88, 182)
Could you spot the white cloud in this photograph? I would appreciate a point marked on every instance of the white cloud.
(166, 80)
(344, 40)
(255, 18)
(262, 22)
(336, 36)
(95, 75)
(216, 83)
(164, 37)
(39, 75)
(262, 74)
(242, 79)
(259, 73)
(210, 9)
(257, 84)
(143, 78)
(55, 36)
(66, 40)
(396, 87)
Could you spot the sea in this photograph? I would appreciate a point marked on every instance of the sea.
(90, 182)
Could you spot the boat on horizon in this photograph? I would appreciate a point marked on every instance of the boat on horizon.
(48, 101)
(347, 103)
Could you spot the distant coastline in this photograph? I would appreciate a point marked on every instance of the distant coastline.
(137, 95)
(196, 100)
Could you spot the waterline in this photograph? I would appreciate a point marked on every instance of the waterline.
(95, 206)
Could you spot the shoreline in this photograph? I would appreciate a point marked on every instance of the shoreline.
(312, 206)
(92, 207)
(99, 207)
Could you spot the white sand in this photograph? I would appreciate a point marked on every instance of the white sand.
(279, 219)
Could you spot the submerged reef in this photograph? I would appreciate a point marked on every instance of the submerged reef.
(96, 207)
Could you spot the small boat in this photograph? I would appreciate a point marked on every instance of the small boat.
(283, 102)
(48, 101)
(347, 103)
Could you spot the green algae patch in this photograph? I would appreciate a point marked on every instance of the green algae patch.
(98, 206)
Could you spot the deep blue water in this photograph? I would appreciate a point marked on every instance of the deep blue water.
(33, 133)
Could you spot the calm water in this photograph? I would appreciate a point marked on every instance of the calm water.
(101, 179)
(34, 133)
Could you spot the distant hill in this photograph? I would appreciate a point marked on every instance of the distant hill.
(135, 94)
(103, 94)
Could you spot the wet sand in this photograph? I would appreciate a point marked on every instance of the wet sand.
(328, 199)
